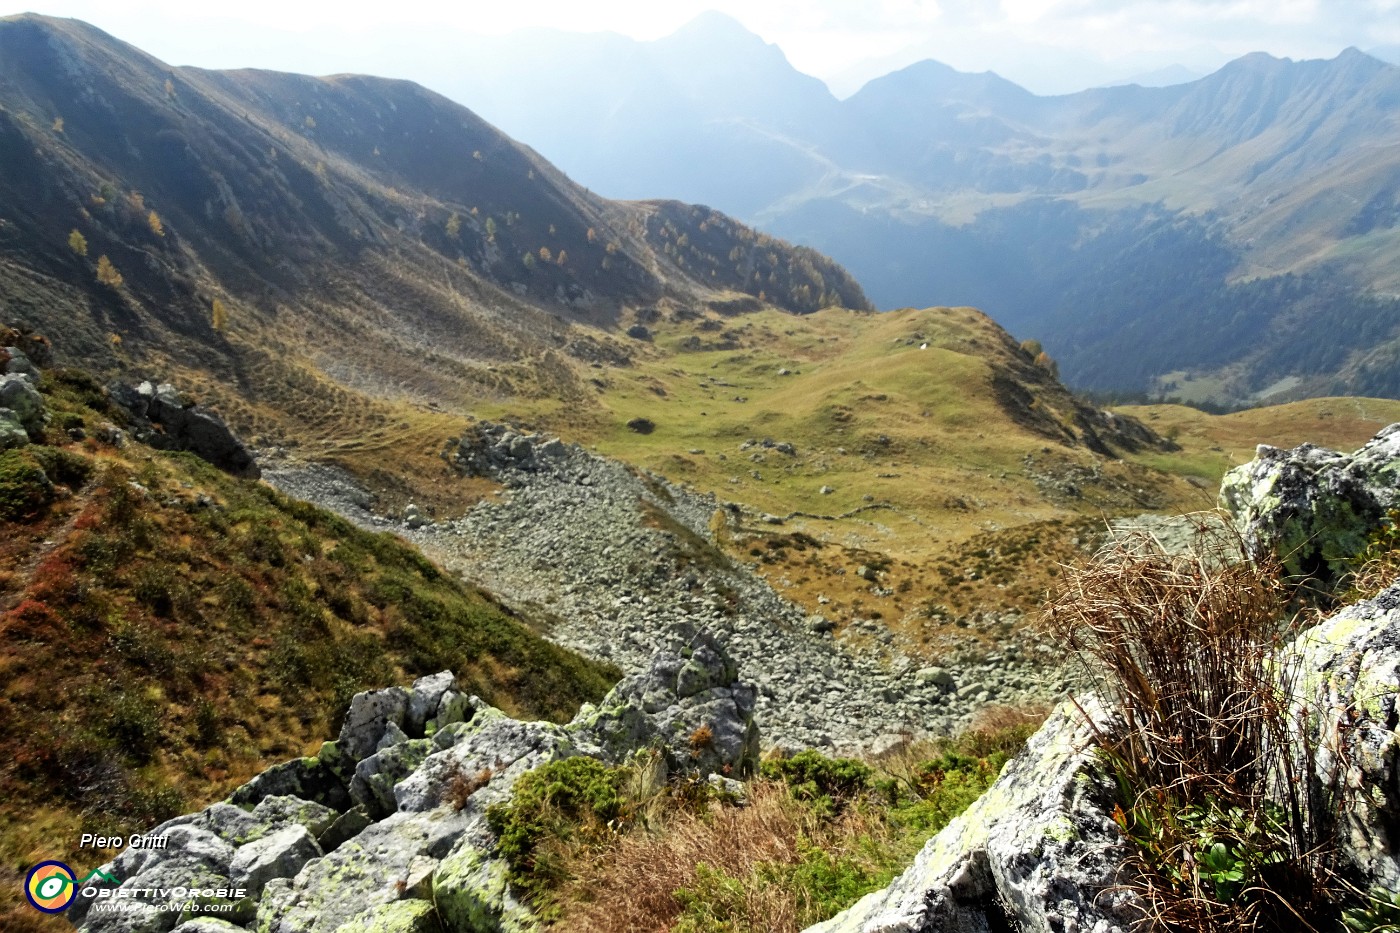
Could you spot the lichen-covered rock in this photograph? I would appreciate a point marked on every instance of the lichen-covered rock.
(472, 893)
(410, 916)
(183, 426)
(424, 699)
(346, 827)
(12, 432)
(278, 855)
(375, 777)
(1350, 670)
(209, 925)
(277, 812)
(369, 716)
(362, 874)
(1313, 507)
(17, 393)
(493, 745)
(18, 363)
(318, 779)
(1038, 844)
(690, 702)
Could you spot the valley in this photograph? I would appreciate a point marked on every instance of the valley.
(1257, 204)
(601, 479)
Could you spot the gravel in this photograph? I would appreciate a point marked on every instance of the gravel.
(617, 558)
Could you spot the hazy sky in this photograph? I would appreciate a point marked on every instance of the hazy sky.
(1050, 46)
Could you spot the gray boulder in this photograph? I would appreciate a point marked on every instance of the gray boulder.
(19, 363)
(12, 432)
(279, 855)
(369, 717)
(183, 426)
(1038, 845)
(1314, 507)
(424, 700)
(690, 702)
(324, 779)
(277, 812)
(1350, 669)
(17, 393)
(376, 776)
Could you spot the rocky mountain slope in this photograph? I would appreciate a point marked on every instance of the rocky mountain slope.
(399, 823)
(1257, 204)
(178, 629)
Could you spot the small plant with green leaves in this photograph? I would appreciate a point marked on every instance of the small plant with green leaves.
(1380, 914)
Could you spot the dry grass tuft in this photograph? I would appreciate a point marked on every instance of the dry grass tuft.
(702, 738)
(1231, 831)
(462, 785)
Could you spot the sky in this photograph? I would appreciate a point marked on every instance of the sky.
(1048, 46)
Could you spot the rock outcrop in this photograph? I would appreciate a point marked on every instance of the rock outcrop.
(164, 419)
(385, 828)
(1038, 848)
(1315, 507)
(1349, 668)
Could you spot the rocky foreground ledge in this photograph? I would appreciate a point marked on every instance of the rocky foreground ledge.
(1039, 847)
(384, 829)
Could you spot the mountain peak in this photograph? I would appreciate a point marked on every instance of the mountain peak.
(714, 26)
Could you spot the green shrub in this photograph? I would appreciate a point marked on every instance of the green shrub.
(563, 800)
(1380, 914)
(25, 489)
(208, 729)
(827, 784)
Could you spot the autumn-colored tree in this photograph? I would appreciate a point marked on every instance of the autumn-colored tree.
(1047, 363)
(453, 225)
(107, 273)
(592, 234)
(115, 340)
(529, 260)
(58, 125)
(137, 201)
(153, 221)
(219, 317)
(77, 243)
(545, 254)
(169, 89)
(562, 257)
(491, 229)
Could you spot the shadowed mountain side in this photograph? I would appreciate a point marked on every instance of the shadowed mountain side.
(355, 228)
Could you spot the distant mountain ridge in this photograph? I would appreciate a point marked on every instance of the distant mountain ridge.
(358, 233)
(929, 184)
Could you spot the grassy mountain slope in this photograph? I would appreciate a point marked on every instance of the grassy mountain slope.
(166, 632)
(366, 239)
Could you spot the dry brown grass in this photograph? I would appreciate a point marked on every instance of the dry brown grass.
(462, 785)
(1215, 776)
(632, 886)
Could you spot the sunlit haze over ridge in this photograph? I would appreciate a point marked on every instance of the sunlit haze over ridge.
(1049, 46)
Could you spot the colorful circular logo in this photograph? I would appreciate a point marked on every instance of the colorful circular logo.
(51, 887)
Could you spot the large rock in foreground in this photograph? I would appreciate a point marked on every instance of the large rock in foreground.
(1313, 507)
(385, 828)
(1350, 671)
(1039, 846)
